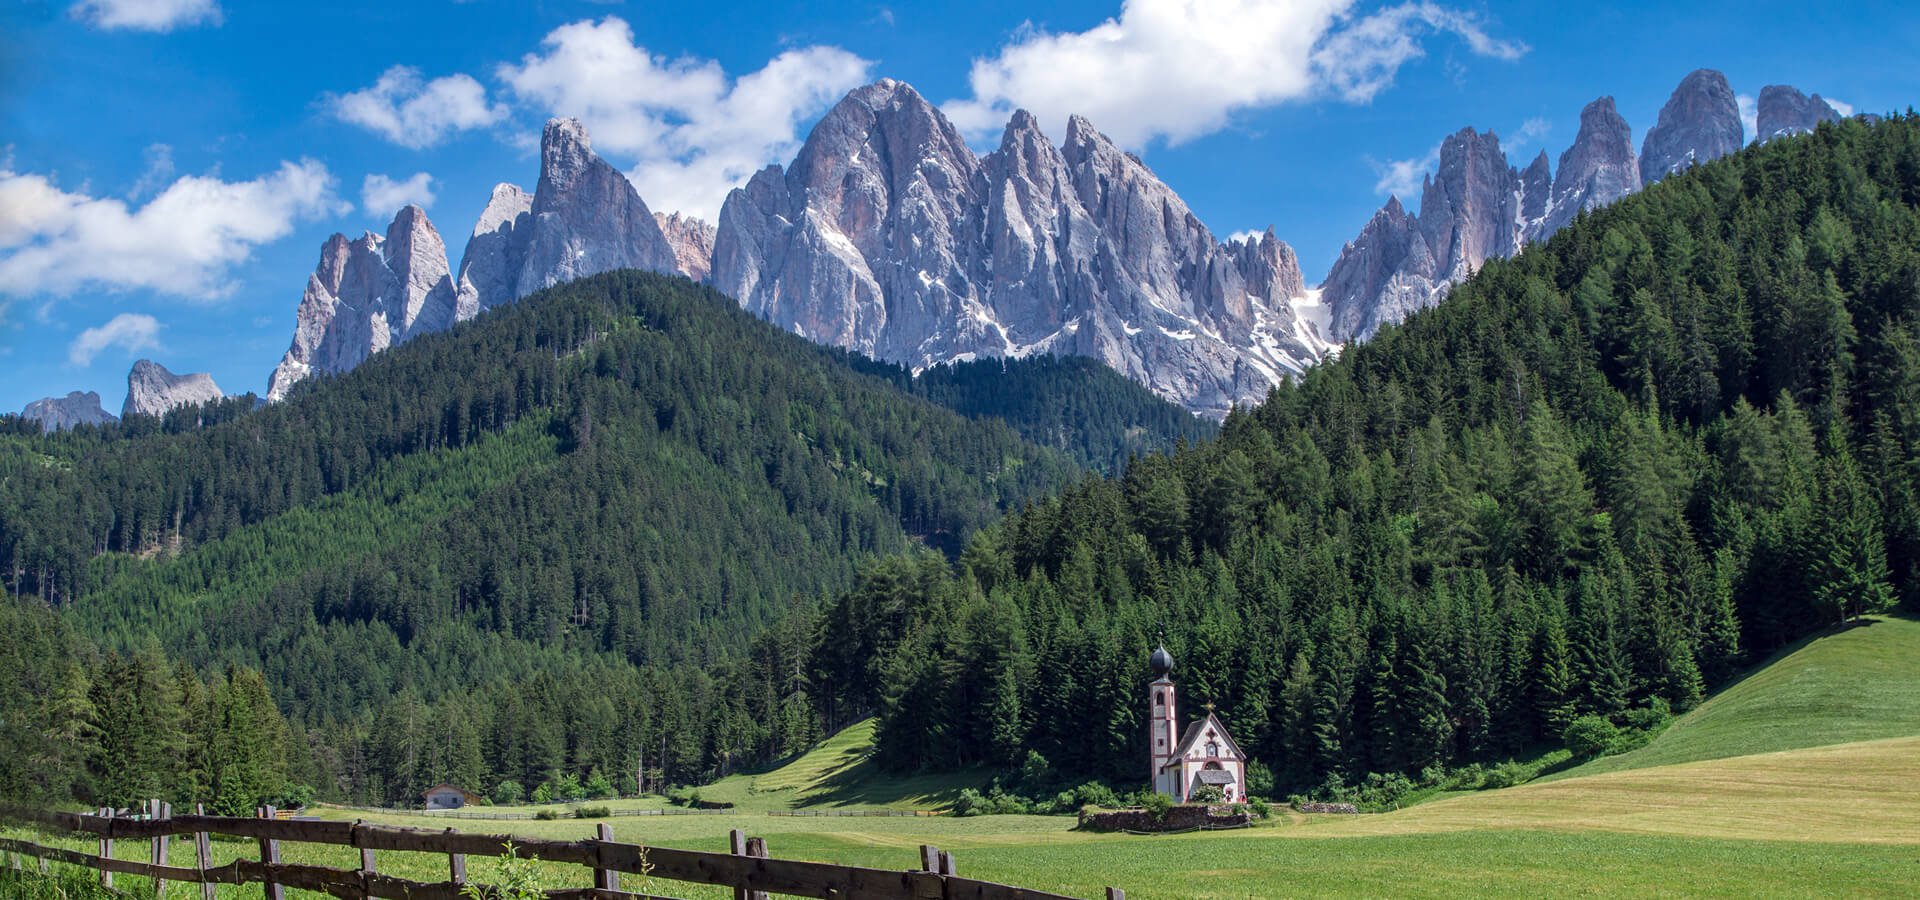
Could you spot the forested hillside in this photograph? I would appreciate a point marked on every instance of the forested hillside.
(479, 554)
(1601, 476)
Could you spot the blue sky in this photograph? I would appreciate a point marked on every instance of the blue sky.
(169, 168)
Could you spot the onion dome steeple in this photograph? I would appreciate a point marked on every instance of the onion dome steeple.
(1161, 662)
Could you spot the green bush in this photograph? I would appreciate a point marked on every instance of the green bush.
(591, 812)
(566, 787)
(1207, 793)
(1157, 805)
(1261, 808)
(509, 792)
(546, 815)
(1590, 736)
(599, 787)
(543, 794)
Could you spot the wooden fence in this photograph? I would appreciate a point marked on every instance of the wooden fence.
(747, 869)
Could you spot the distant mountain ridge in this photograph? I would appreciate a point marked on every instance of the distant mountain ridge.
(1478, 207)
(889, 236)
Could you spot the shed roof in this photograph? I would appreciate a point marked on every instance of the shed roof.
(1220, 777)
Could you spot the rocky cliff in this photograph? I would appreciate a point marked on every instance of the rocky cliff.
(154, 391)
(1783, 110)
(889, 236)
(583, 218)
(76, 408)
(1700, 122)
(366, 295)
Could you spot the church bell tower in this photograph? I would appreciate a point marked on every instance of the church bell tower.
(1161, 720)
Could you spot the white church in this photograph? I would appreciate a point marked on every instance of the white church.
(1203, 755)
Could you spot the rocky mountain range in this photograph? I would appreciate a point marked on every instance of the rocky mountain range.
(154, 391)
(76, 408)
(583, 218)
(1478, 207)
(888, 235)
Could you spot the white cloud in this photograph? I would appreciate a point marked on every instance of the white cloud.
(131, 332)
(145, 15)
(383, 196)
(692, 134)
(1249, 236)
(1178, 69)
(412, 112)
(1402, 177)
(1529, 131)
(1749, 115)
(181, 242)
(159, 172)
(1842, 107)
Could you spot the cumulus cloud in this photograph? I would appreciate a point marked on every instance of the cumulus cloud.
(1401, 177)
(1177, 69)
(1749, 115)
(408, 110)
(383, 196)
(183, 242)
(131, 332)
(691, 132)
(145, 15)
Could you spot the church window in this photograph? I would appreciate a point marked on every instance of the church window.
(1213, 749)
(1160, 698)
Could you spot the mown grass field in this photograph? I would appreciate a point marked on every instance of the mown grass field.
(1803, 779)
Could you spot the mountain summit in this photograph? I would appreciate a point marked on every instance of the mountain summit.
(888, 236)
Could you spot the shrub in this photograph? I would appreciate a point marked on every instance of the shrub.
(1590, 736)
(509, 792)
(1261, 808)
(1157, 805)
(566, 786)
(591, 812)
(1207, 793)
(543, 794)
(1093, 793)
(1259, 779)
(546, 815)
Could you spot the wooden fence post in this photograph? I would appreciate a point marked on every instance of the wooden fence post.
(155, 812)
(737, 845)
(1116, 894)
(605, 879)
(929, 858)
(106, 849)
(366, 860)
(203, 851)
(946, 863)
(270, 854)
(456, 866)
(757, 848)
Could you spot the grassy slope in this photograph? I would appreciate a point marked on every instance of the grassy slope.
(837, 775)
(1857, 684)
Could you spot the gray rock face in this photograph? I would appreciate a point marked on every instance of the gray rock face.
(888, 236)
(76, 408)
(692, 243)
(582, 219)
(154, 391)
(1783, 110)
(1700, 122)
(490, 268)
(366, 295)
(1474, 209)
(1598, 169)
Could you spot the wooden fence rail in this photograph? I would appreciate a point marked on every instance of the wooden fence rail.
(748, 870)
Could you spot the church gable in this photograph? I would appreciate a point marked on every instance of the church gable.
(1201, 731)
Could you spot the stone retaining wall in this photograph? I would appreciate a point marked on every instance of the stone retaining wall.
(1184, 817)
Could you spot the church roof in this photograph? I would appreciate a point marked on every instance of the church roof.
(1198, 730)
